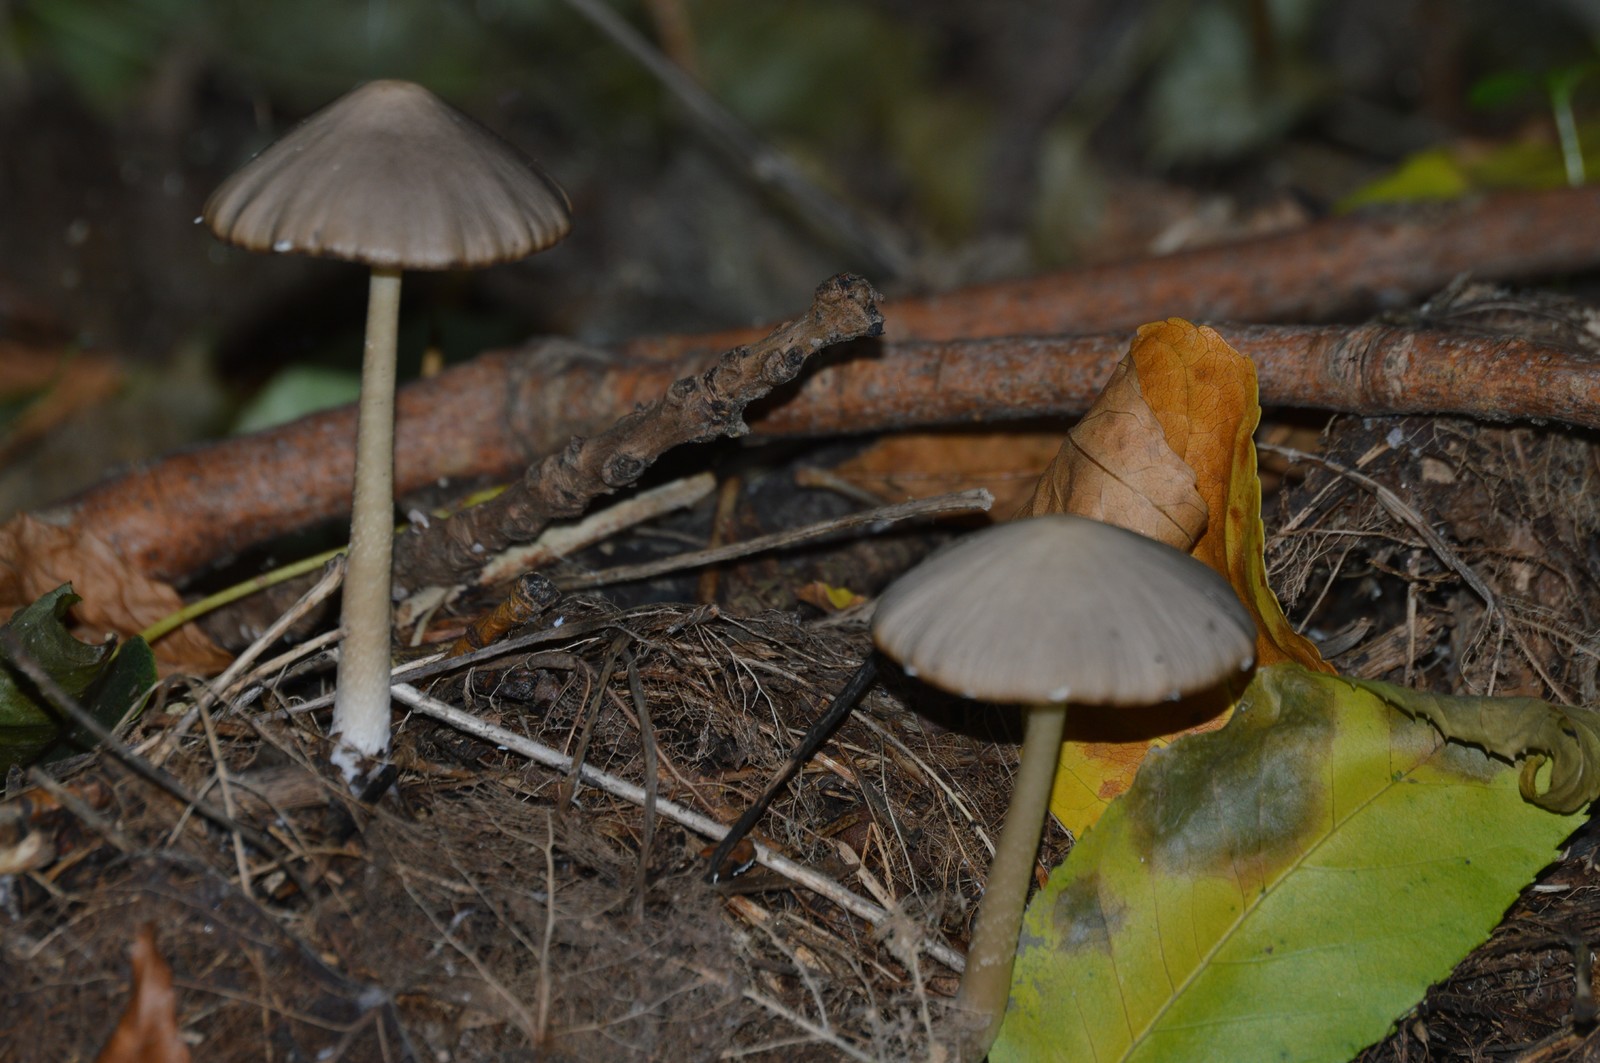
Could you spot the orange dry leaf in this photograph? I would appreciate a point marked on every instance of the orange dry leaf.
(1205, 396)
(148, 1030)
(922, 464)
(1194, 401)
(36, 557)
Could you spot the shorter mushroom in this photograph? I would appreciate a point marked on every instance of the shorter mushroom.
(1045, 612)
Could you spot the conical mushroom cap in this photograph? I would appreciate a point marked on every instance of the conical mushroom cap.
(1062, 608)
(392, 176)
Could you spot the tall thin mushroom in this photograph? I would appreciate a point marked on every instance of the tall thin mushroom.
(390, 176)
(1046, 612)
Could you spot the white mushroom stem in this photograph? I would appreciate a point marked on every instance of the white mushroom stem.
(986, 983)
(361, 710)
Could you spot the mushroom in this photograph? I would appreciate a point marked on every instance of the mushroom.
(390, 176)
(1045, 612)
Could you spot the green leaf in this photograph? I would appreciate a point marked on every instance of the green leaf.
(1427, 175)
(1500, 89)
(295, 392)
(1292, 882)
(109, 685)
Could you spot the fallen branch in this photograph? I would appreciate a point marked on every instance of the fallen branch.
(1366, 369)
(174, 516)
(1349, 266)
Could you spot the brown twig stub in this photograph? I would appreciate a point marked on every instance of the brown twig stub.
(693, 409)
(530, 597)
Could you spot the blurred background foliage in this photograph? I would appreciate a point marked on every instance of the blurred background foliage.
(993, 138)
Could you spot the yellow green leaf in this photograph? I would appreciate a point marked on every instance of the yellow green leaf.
(1292, 882)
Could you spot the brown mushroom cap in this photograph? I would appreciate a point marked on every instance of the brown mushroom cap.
(1059, 608)
(392, 176)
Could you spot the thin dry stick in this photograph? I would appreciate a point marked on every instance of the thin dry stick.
(332, 577)
(976, 500)
(257, 678)
(558, 541)
(703, 825)
(569, 786)
(438, 663)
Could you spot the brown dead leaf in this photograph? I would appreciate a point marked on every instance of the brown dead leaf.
(148, 1029)
(923, 464)
(36, 557)
(1118, 466)
(1185, 408)
(1205, 395)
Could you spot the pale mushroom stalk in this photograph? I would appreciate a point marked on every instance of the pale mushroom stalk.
(986, 984)
(361, 711)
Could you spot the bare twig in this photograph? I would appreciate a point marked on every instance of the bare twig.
(221, 688)
(693, 409)
(977, 500)
(558, 541)
(225, 785)
(569, 785)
